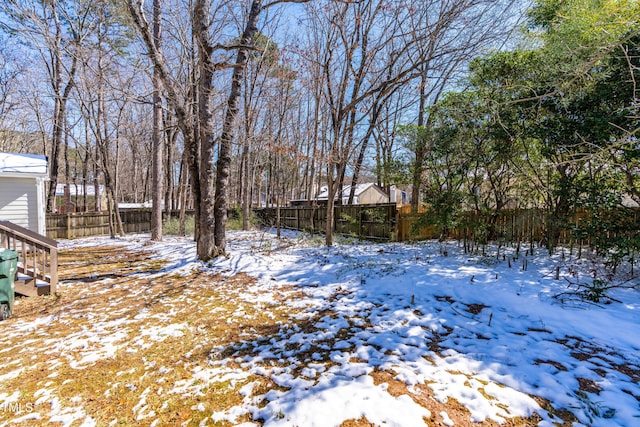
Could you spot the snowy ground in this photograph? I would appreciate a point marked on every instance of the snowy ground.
(389, 333)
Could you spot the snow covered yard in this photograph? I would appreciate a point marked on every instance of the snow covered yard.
(286, 332)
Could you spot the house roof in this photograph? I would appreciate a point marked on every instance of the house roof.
(78, 190)
(143, 205)
(17, 164)
(146, 204)
(360, 188)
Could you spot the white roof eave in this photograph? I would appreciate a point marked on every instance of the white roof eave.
(27, 165)
(24, 175)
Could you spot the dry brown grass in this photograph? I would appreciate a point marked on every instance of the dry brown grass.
(360, 422)
(104, 293)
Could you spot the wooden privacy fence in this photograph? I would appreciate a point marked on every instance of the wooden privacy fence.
(380, 222)
(388, 222)
(511, 225)
(373, 222)
(525, 225)
(84, 224)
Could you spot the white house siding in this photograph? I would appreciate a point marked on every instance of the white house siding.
(19, 202)
(372, 195)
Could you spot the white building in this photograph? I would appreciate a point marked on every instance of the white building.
(365, 194)
(22, 190)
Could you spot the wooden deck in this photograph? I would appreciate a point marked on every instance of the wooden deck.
(37, 259)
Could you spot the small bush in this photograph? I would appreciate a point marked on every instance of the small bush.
(313, 240)
(171, 226)
(234, 222)
(597, 290)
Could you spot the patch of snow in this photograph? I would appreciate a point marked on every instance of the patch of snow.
(161, 333)
(446, 420)
(335, 400)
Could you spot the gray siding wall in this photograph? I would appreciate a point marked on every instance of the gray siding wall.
(19, 201)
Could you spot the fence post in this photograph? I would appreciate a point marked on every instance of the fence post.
(396, 228)
(68, 225)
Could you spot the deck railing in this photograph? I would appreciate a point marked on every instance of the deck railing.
(37, 262)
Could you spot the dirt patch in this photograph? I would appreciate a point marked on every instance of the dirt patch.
(446, 298)
(360, 422)
(476, 308)
(567, 417)
(601, 357)
(589, 386)
(557, 365)
(629, 370)
(541, 330)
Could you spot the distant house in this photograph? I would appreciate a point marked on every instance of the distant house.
(77, 199)
(144, 205)
(398, 196)
(22, 190)
(365, 194)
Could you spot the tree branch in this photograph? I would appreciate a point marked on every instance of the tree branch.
(275, 2)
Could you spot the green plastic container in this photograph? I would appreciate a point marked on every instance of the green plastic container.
(8, 268)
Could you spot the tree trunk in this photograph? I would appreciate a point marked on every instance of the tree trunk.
(157, 136)
(85, 173)
(330, 208)
(420, 148)
(182, 189)
(248, 185)
(67, 191)
(206, 223)
(226, 138)
(60, 107)
(97, 203)
(363, 149)
(170, 194)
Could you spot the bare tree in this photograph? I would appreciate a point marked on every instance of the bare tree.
(56, 30)
(259, 100)
(10, 71)
(184, 112)
(365, 55)
(158, 134)
(199, 136)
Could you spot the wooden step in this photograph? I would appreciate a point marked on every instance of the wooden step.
(37, 259)
(29, 289)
